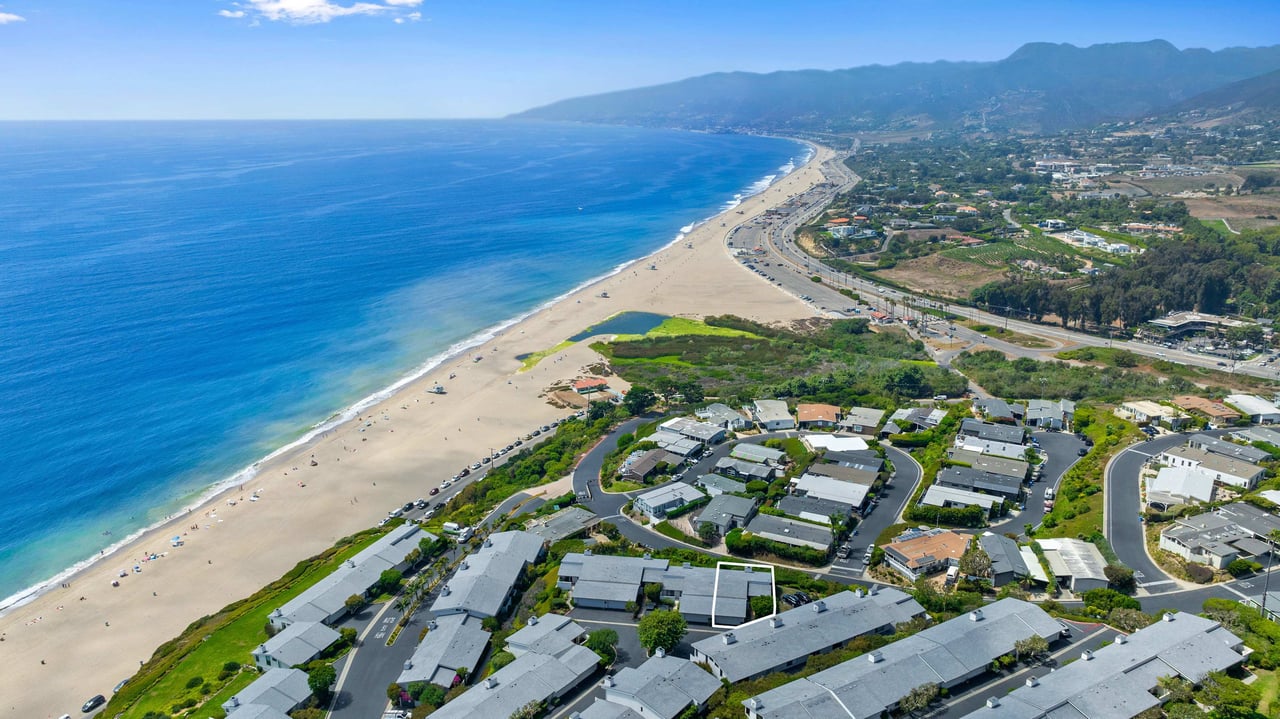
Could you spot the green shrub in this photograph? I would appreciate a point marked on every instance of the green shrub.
(194, 682)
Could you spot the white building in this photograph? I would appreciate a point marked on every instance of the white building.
(772, 415)
(1257, 409)
(656, 503)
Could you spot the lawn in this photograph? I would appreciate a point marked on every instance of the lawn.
(530, 361)
(235, 632)
(681, 326)
(1269, 684)
(621, 485)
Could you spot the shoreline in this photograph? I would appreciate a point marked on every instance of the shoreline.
(193, 578)
(248, 473)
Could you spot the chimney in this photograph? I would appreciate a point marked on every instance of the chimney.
(819, 607)
(278, 613)
(431, 624)
(688, 566)
(1122, 639)
(874, 656)
(575, 715)
(463, 566)
(1033, 682)
(532, 621)
(774, 622)
(874, 589)
(728, 638)
(444, 591)
(754, 703)
(488, 542)
(993, 702)
(351, 564)
(858, 593)
(975, 615)
(1086, 655)
(659, 652)
(586, 552)
(408, 664)
(1168, 616)
(235, 701)
(608, 680)
(648, 556)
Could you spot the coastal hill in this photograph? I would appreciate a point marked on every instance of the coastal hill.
(1040, 87)
(1247, 98)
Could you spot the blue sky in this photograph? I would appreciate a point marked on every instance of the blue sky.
(160, 59)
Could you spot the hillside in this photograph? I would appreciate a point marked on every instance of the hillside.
(1256, 95)
(1040, 87)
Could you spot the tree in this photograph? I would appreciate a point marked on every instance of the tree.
(708, 532)
(1032, 646)
(389, 581)
(1229, 697)
(1104, 600)
(431, 695)
(975, 562)
(639, 399)
(320, 680)
(919, 698)
(354, 603)
(661, 629)
(393, 693)
(603, 642)
(1120, 578)
(1128, 620)
(532, 710)
(1175, 689)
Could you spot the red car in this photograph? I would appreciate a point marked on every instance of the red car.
(435, 490)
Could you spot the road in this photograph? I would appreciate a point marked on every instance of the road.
(1062, 452)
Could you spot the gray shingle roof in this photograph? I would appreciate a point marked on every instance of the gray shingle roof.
(298, 643)
(280, 689)
(995, 432)
(457, 641)
(483, 580)
(760, 647)
(1004, 553)
(726, 509)
(601, 709)
(723, 484)
(663, 685)
(789, 531)
(530, 678)
(796, 505)
(944, 654)
(547, 634)
(976, 480)
(1115, 682)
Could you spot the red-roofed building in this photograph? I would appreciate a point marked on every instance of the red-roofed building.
(817, 415)
(838, 221)
(589, 385)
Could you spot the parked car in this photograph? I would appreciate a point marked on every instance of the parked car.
(94, 702)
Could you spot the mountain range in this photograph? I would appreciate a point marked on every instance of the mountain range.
(1039, 88)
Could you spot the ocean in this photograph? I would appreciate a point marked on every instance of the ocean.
(181, 299)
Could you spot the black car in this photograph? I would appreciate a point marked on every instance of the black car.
(791, 599)
(1081, 452)
(804, 598)
(93, 703)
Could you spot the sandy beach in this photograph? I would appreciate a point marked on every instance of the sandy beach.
(81, 639)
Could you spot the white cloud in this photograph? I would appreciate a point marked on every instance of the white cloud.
(404, 3)
(8, 17)
(305, 12)
(231, 13)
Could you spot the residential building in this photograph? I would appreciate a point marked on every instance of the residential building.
(1257, 409)
(1227, 448)
(703, 432)
(726, 512)
(1217, 538)
(947, 654)
(978, 429)
(866, 459)
(744, 470)
(834, 442)
(823, 416)
(976, 480)
(1122, 679)
(939, 496)
(844, 473)
(298, 643)
(830, 488)
(1019, 469)
(662, 687)
(732, 588)
(607, 581)
(1050, 414)
(789, 531)
(657, 502)
(675, 443)
(1007, 564)
(772, 415)
(916, 553)
(532, 678)
(814, 509)
(566, 523)
(649, 464)
(717, 485)
(590, 385)
(1257, 434)
(722, 415)
(547, 634)
(281, 690)
(1179, 485)
(912, 419)
(453, 646)
(1215, 412)
(992, 448)
(1144, 411)
(1078, 565)
(995, 410)
(758, 453)
(601, 709)
(862, 420)
(485, 580)
(1236, 472)
(787, 639)
(325, 601)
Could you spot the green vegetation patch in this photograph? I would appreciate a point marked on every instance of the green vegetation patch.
(531, 360)
(1026, 377)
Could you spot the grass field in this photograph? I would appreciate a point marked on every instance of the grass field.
(1000, 333)
(1269, 684)
(1220, 226)
(534, 358)
(233, 640)
(681, 326)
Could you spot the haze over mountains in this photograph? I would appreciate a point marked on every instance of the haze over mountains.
(1040, 87)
